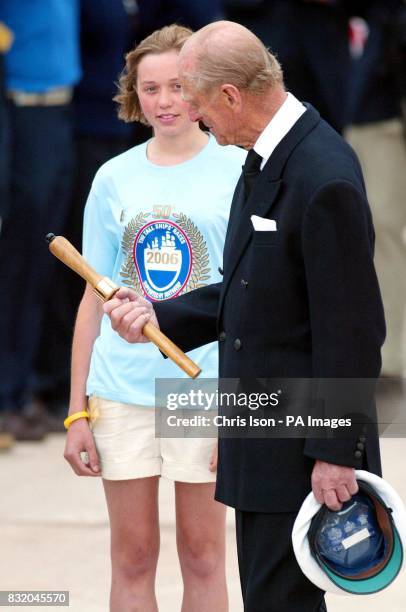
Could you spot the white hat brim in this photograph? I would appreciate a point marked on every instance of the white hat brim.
(309, 509)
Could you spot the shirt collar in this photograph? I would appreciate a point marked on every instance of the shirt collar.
(280, 124)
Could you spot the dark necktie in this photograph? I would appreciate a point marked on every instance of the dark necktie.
(251, 170)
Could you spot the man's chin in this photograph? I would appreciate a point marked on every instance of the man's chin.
(221, 140)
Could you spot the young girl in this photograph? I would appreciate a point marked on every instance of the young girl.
(155, 220)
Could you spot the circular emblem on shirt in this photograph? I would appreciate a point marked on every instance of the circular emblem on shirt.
(164, 258)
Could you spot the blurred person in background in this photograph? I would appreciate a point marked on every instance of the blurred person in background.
(309, 38)
(377, 133)
(41, 68)
(6, 39)
(107, 32)
(155, 220)
(154, 14)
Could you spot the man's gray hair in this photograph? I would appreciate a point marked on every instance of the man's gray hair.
(232, 55)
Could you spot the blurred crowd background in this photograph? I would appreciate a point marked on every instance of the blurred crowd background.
(59, 63)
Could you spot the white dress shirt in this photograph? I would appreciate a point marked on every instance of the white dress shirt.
(278, 127)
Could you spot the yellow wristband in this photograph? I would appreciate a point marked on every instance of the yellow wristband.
(74, 417)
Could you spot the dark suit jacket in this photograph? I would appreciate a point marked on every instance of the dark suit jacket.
(309, 306)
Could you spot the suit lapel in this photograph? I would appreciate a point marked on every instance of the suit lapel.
(236, 205)
(262, 197)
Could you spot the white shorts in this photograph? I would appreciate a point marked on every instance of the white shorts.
(125, 439)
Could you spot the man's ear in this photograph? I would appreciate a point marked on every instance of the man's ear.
(232, 97)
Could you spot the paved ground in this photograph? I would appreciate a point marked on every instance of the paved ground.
(54, 534)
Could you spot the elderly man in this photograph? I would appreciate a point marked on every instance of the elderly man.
(301, 301)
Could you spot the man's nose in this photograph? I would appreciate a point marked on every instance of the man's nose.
(193, 115)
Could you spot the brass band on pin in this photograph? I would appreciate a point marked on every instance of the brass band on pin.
(105, 289)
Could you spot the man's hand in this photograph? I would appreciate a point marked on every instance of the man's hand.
(333, 484)
(128, 313)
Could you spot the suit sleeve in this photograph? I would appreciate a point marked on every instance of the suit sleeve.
(190, 320)
(346, 313)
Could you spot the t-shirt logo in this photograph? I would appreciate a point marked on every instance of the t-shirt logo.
(164, 258)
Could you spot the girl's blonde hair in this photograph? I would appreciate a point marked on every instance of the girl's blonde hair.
(169, 38)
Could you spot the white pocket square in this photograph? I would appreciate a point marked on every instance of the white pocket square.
(263, 225)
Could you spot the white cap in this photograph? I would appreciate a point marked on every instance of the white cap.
(309, 509)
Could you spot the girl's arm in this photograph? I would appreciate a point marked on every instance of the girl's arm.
(79, 437)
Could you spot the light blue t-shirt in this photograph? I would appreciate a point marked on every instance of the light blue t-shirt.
(161, 231)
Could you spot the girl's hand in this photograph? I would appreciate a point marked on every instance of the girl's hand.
(213, 460)
(79, 439)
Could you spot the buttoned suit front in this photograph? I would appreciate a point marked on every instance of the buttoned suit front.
(299, 302)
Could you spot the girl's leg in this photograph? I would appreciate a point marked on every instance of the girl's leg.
(200, 534)
(134, 522)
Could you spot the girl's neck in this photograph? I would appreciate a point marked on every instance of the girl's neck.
(169, 151)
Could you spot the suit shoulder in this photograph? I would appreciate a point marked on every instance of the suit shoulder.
(322, 157)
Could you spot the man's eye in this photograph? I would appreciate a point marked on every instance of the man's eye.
(177, 86)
